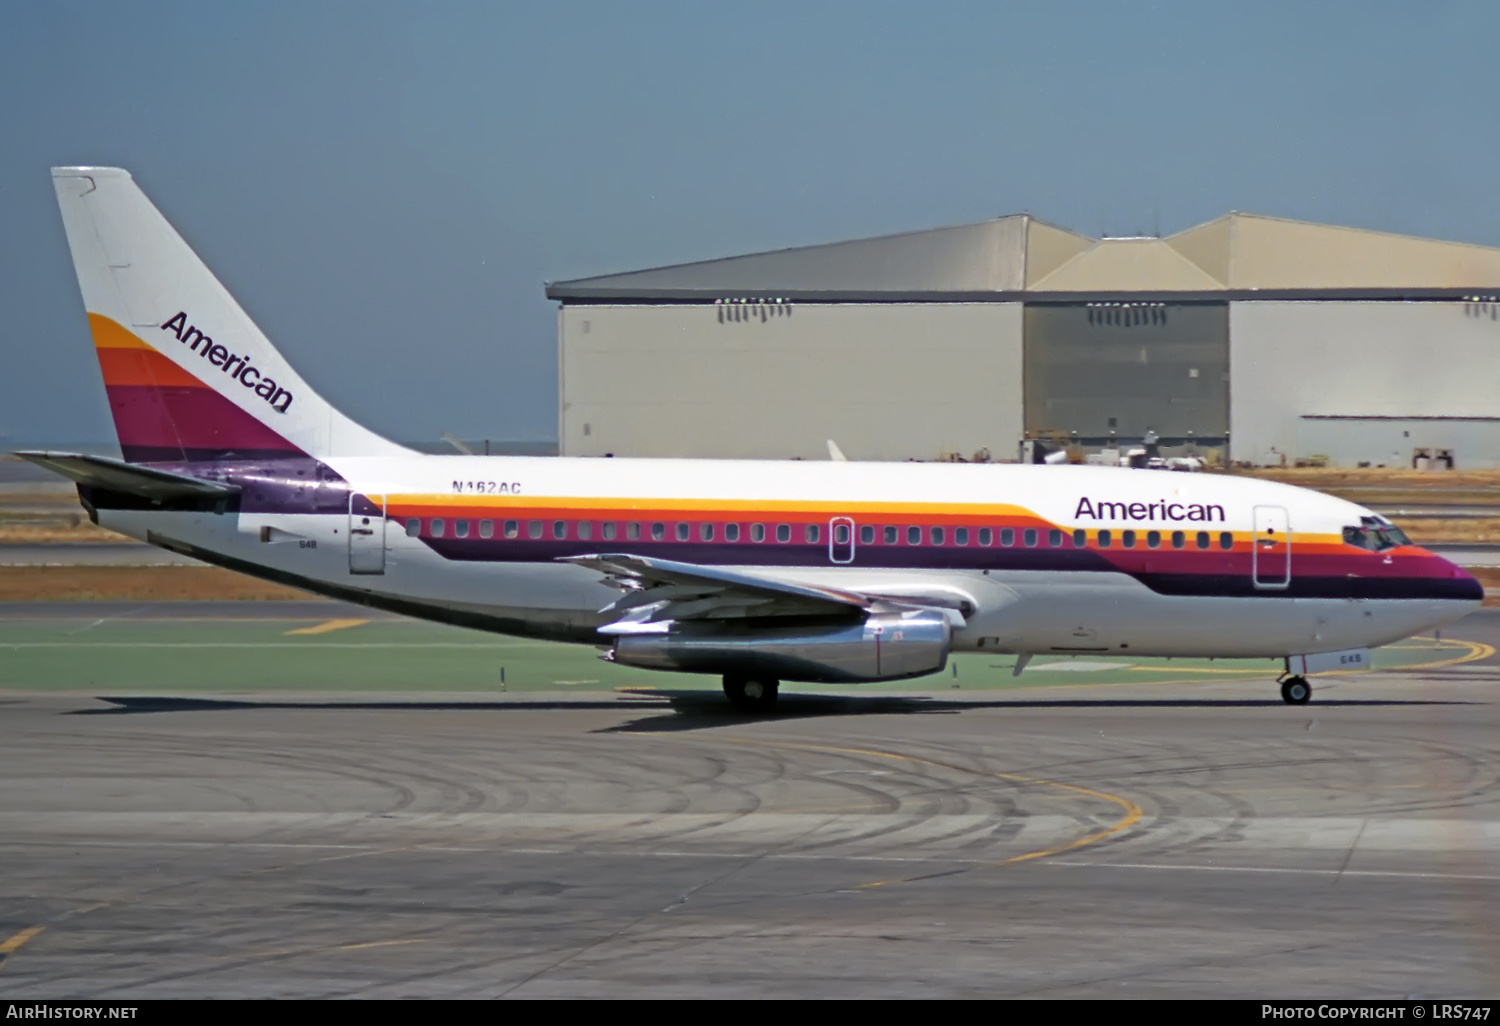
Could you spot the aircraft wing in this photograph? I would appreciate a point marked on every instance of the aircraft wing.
(659, 590)
(129, 478)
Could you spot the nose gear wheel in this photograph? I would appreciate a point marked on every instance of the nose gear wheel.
(1296, 691)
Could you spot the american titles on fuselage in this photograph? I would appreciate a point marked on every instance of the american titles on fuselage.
(1162, 510)
(237, 367)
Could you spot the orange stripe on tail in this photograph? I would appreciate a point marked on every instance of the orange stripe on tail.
(110, 334)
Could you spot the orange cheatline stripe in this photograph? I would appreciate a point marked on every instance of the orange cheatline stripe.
(110, 334)
(135, 367)
(632, 507)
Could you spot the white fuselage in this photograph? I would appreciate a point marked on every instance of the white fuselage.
(1163, 596)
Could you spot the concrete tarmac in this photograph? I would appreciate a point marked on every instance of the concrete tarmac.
(92, 554)
(1166, 840)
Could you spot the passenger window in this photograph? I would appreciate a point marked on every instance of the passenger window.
(1007, 536)
(890, 536)
(460, 528)
(486, 529)
(633, 531)
(783, 532)
(413, 527)
(585, 529)
(559, 529)
(841, 534)
(1127, 539)
(1179, 540)
(682, 532)
(812, 534)
(1055, 538)
(867, 535)
(1105, 539)
(437, 527)
(533, 529)
(732, 532)
(1202, 539)
(607, 532)
(985, 536)
(1153, 539)
(1030, 536)
(658, 532)
(706, 532)
(512, 529)
(914, 536)
(1080, 538)
(757, 532)
(937, 535)
(1226, 541)
(960, 536)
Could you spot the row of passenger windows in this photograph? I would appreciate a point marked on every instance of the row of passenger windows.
(812, 534)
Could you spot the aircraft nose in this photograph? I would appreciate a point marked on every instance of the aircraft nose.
(1458, 582)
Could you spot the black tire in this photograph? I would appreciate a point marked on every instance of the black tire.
(1296, 691)
(751, 694)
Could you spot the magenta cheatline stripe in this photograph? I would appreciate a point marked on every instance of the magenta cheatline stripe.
(192, 420)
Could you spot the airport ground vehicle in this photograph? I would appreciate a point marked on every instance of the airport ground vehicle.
(756, 571)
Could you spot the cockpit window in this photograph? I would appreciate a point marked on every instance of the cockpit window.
(1375, 537)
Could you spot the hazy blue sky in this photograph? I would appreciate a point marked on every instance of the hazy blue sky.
(386, 186)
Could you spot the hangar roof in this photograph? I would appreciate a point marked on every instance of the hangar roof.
(1021, 257)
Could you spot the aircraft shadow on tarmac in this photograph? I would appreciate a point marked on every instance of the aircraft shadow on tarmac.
(699, 710)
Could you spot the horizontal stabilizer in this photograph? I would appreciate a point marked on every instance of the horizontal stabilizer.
(128, 478)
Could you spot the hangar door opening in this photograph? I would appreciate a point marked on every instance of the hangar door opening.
(1105, 371)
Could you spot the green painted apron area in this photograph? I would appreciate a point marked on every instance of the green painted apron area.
(212, 655)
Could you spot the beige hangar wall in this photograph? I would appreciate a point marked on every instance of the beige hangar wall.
(1292, 365)
(885, 381)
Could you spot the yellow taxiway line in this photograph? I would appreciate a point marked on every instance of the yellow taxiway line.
(15, 942)
(327, 626)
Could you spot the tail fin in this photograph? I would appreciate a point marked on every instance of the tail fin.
(189, 376)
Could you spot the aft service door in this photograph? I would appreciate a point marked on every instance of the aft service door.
(366, 534)
(841, 540)
(1271, 554)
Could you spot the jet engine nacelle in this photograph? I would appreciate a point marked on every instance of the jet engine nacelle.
(886, 646)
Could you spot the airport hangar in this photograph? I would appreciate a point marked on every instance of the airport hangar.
(1256, 339)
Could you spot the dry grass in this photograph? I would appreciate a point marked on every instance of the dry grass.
(1388, 487)
(55, 530)
(1424, 530)
(1389, 477)
(137, 584)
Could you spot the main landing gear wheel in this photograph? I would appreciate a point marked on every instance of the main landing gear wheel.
(1295, 691)
(751, 694)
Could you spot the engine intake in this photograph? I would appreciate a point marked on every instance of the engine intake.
(886, 646)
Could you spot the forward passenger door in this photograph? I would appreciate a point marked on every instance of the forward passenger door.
(1271, 550)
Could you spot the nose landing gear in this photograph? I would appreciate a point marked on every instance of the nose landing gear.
(1295, 691)
(751, 694)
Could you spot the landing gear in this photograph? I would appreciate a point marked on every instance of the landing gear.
(1295, 691)
(751, 694)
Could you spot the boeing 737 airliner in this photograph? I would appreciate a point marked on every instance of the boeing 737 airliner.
(756, 571)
